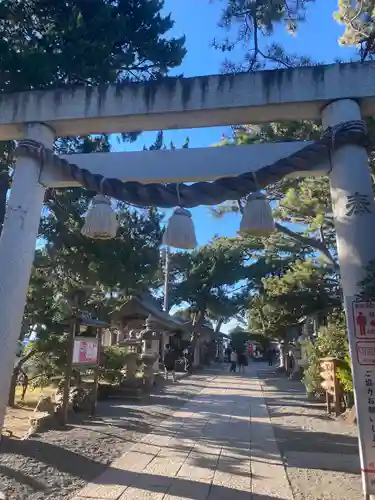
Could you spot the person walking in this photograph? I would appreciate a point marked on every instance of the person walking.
(169, 363)
(185, 354)
(233, 361)
(290, 365)
(227, 355)
(270, 357)
(242, 362)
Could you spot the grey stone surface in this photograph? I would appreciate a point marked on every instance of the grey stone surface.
(320, 453)
(240, 438)
(55, 464)
(204, 451)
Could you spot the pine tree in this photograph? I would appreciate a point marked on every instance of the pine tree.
(252, 21)
(290, 261)
(213, 280)
(75, 42)
(46, 44)
(359, 21)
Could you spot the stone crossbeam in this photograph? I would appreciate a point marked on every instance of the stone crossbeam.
(181, 165)
(178, 103)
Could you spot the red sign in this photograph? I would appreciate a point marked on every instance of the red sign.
(364, 320)
(366, 353)
(86, 351)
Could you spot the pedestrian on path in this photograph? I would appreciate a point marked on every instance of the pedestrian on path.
(290, 365)
(169, 363)
(233, 361)
(242, 362)
(270, 357)
(185, 354)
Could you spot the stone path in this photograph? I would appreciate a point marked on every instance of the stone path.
(219, 446)
(320, 453)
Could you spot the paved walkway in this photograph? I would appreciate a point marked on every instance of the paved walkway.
(219, 446)
(320, 452)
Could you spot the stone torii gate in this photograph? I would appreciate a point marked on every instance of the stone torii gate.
(333, 94)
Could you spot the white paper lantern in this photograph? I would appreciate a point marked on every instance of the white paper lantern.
(257, 218)
(101, 220)
(180, 232)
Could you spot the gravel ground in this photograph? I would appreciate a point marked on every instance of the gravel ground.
(55, 464)
(320, 452)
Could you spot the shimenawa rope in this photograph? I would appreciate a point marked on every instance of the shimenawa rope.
(203, 193)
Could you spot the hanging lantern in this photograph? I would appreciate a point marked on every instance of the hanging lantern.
(257, 218)
(101, 220)
(180, 232)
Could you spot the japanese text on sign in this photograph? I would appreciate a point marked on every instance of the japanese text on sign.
(370, 393)
(361, 329)
(364, 319)
(327, 375)
(85, 351)
(366, 353)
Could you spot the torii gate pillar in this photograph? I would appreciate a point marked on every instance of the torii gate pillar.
(17, 249)
(354, 219)
(352, 200)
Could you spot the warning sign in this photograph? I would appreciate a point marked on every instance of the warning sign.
(86, 351)
(364, 319)
(366, 353)
(361, 329)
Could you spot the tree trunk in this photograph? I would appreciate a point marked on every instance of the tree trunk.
(13, 386)
(219, 322)
(197, 323)
(16, 371)
(25, 385)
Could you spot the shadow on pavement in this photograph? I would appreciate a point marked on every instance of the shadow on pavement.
(307, 437)
(209, 428)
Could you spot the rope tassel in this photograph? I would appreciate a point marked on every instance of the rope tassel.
(101, 220)
(180, 232)
(257, 218)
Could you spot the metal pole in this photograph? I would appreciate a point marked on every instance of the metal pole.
(17, 249)
(166, 279)
(354, 217)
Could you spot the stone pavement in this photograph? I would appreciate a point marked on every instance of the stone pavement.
(320, 452)
(219, 446)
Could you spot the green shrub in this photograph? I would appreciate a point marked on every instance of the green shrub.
(112, 361)
(332, 341)
(344, 373)
(311, 375)
(114, 357)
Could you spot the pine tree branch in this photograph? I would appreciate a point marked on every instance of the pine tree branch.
(312, 242)
(304, 240)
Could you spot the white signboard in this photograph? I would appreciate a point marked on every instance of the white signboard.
(361, 327)
(85, 351)
(364, 319)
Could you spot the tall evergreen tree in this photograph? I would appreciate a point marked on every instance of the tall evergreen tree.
(309, 269)
(359, 20)
(46, 44)
(249, 23)
(55, 43)
(212, 280)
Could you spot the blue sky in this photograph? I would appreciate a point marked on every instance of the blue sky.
(197, 19)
